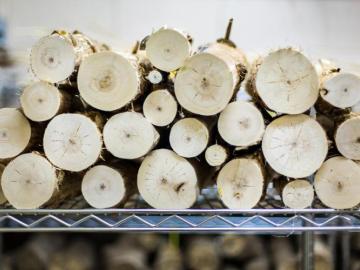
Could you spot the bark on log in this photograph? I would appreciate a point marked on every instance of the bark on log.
(54, 58)
(241, 183)
(41, 101)
(129, 135)
(241, 124)
(15, 133)
(108, 186)
(30, 181)
(337, 183)
(328, 124)
(347, 136)
(216, 155)
(160, 108)
(167, 181)
(109, 81)
(210, 79)
(295, 145)
(285, 81)
(72, 141)
(168, 49)
(189, 137)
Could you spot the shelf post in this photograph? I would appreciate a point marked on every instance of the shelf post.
(307, 250)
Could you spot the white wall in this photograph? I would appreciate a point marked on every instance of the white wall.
(323, 28)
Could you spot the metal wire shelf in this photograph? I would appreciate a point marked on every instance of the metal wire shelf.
(208, 216)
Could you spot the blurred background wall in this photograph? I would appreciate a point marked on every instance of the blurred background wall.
(322, 28)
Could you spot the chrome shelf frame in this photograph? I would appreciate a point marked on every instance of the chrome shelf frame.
(258, 221)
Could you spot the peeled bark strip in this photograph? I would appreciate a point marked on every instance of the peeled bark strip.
(167, 49)
(241, 183)
(337, 183)
(347, 137)
(108, 81)
(340, 90)
(208, 80)
(15, 133)
(285, 81)
(298, 194)
(189, 137)
(160, 108)
(41, 101)
(2, 197)
(216, 155)
(29, 181)
(241, 124)
(129, 135)
(72, 142)
(295, 145)
(104, 186)
(55, 57)
(167, 181)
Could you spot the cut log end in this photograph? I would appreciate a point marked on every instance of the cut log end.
(53, 58)
(40, 101)
(108, 81)
(241, 183)
(167, 49)
(298, 194)
(72, 142)
(29, 181)
(103, 187)
(189, 137)
(347, 137)
(287, 82)
(337, 183)
(160, 108)
(241, 124)
(341, 90)
(129, 135)
(15, 133)
(154, 76)
(205, 84)
(167, 181)
(216, 155)
(295, 145)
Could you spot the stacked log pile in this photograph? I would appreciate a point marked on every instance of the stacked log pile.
(161, 252)
(165, 121)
